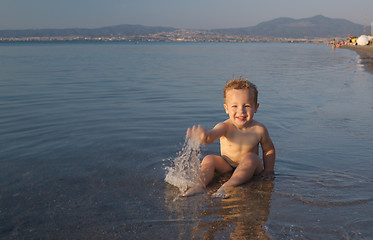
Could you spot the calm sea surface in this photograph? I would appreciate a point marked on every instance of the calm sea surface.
(87, 130)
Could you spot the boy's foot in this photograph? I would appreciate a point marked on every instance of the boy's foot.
(221, 193)
(193, 191)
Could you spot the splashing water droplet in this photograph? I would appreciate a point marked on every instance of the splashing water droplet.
(186, 167)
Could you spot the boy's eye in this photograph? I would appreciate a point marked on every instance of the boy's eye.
(234, 106)
(247, 106)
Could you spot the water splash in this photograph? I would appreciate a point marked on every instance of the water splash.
(186, 167)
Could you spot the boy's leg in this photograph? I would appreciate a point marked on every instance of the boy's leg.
(209, 165)
(249, 166)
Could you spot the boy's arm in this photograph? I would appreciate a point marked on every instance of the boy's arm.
(269, 155)
(207, 137)
(217, 132)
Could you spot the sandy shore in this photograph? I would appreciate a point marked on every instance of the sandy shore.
(366, 55)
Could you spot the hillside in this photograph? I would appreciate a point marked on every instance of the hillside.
(118, 30)
(314, 27)
(317, 26)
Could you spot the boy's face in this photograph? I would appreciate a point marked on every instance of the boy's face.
(240, 106)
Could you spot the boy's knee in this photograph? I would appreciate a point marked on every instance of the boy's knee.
(209, 159)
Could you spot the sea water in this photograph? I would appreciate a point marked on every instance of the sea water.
(185, 170)
(85, 129)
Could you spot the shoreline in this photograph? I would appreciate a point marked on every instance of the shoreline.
(365, 53)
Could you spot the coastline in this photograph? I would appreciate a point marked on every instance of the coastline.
(365, 53)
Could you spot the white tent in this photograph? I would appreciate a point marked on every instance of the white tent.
(363, 40)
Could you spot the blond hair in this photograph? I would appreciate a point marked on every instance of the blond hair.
(241, 83)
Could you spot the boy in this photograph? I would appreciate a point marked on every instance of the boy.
(240, 136)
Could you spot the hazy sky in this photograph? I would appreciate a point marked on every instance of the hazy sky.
(195, 14)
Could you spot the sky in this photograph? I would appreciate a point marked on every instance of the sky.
(190, 14)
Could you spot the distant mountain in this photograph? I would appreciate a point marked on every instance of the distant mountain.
(314, 27)
(118, 30)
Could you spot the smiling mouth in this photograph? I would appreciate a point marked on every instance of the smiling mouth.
(241, 118)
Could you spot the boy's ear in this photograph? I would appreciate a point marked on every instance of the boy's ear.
(257, 106)
(226, 108)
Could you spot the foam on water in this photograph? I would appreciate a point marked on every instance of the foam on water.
(185, 170)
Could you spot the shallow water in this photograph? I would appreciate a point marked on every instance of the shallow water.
(87, 131)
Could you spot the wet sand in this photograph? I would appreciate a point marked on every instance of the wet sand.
(366, 55)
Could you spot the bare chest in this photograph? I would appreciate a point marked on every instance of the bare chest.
(240, 142)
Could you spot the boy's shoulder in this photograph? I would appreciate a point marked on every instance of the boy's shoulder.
(258, 127)
(255, 123)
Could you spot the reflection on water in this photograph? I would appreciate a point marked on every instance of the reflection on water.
(242, 216)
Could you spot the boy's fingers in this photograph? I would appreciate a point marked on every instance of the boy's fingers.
(196, 132)
(199, 129)
(267, 176)
(191, 131)
(188, 132)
